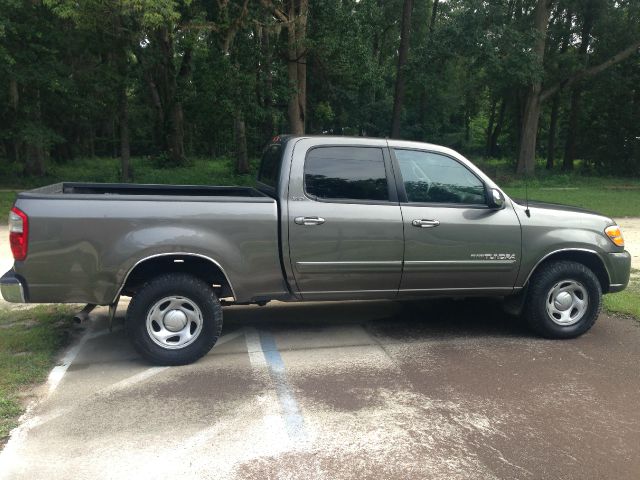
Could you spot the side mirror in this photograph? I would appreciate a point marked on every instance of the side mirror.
(496, 199)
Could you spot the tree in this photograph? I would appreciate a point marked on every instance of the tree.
(403, 54)
(293, 14)
(531, 115)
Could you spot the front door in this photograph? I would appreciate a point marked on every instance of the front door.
(345, 227)
(454, 241)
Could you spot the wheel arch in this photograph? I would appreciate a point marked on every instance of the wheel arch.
(198, 265)
(588, 258)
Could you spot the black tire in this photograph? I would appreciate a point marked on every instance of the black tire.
(542, 313)
(196, 304)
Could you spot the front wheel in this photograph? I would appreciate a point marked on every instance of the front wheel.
(174, 319)
(564, 300)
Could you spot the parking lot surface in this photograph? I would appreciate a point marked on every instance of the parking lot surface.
(432, 389)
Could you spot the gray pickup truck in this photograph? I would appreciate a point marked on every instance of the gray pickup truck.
(331, 218)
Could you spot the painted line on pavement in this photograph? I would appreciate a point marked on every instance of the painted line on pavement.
(264, 354)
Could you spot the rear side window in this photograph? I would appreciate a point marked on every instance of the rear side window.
(433, 178)
(346, 173)
(270, 165)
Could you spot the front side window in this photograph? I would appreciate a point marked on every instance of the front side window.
(346, 173)
(433, 178)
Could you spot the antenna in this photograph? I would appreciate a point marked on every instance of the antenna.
(526, 193)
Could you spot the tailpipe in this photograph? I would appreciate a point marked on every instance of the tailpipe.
(83, 314)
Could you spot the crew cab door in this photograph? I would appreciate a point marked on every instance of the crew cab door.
(453, 240)
(345, 227)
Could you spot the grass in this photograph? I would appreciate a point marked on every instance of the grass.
(609, 196)
(628, 301)
(201, 171)
(612, 196)
(29, 341)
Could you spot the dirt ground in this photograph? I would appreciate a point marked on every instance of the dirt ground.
(631, 231)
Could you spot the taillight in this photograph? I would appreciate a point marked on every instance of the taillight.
(18, 233)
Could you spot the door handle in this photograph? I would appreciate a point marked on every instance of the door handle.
(309, 220)
(425, 223)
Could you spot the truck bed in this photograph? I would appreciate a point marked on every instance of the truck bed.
(211, 193)
(84, 238)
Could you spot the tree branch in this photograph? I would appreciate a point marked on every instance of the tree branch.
(279, 14)
(591, 71)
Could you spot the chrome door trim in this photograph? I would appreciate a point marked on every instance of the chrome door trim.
(348, 267)
(439, 265)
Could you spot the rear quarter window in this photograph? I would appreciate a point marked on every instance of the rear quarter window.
(269, 172)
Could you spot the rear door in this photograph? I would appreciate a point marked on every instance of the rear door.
(454, 241)
(345, 226)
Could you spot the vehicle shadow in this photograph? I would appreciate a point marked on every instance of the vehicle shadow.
(401, 320)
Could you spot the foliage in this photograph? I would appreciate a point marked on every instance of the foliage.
(175, 74)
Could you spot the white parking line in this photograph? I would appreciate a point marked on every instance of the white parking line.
(265, 358)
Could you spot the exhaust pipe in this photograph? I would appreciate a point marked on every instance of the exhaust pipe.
(83, 314)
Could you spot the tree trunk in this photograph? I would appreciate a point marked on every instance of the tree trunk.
(296, 64)
(531, 116)
(493, 146)
(92, 140)
(35, 155)
(489, 132)
(301, 36)
(403, 54)
(242, 159)
(570, 143)
(432, 20)
(125, 150)
(13, 145)
(175, 134)
(269, 127)
(576, 91)
(165, 84)
(553, 128)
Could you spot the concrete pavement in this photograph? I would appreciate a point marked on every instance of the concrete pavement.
(346, 391)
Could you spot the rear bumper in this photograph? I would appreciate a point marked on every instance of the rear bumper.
(619, 270)
(12, 288)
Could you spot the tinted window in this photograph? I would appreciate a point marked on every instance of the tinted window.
(433, 178)
(270, 165)
(346, 173)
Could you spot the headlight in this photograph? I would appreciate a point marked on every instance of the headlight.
(615, 234)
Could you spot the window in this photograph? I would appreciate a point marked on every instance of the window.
(270, 165)
(348, 173)
(433, 178)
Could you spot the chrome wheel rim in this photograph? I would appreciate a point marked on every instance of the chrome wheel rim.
(567, 302)
(174, 322)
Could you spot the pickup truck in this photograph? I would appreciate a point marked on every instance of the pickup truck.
(331, 218)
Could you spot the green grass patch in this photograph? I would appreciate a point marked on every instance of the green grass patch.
(611, 196)
(29, 341)
(200, 171)
(627, 301)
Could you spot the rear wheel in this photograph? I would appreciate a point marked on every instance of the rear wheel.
(174, 319)
(564, 300)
